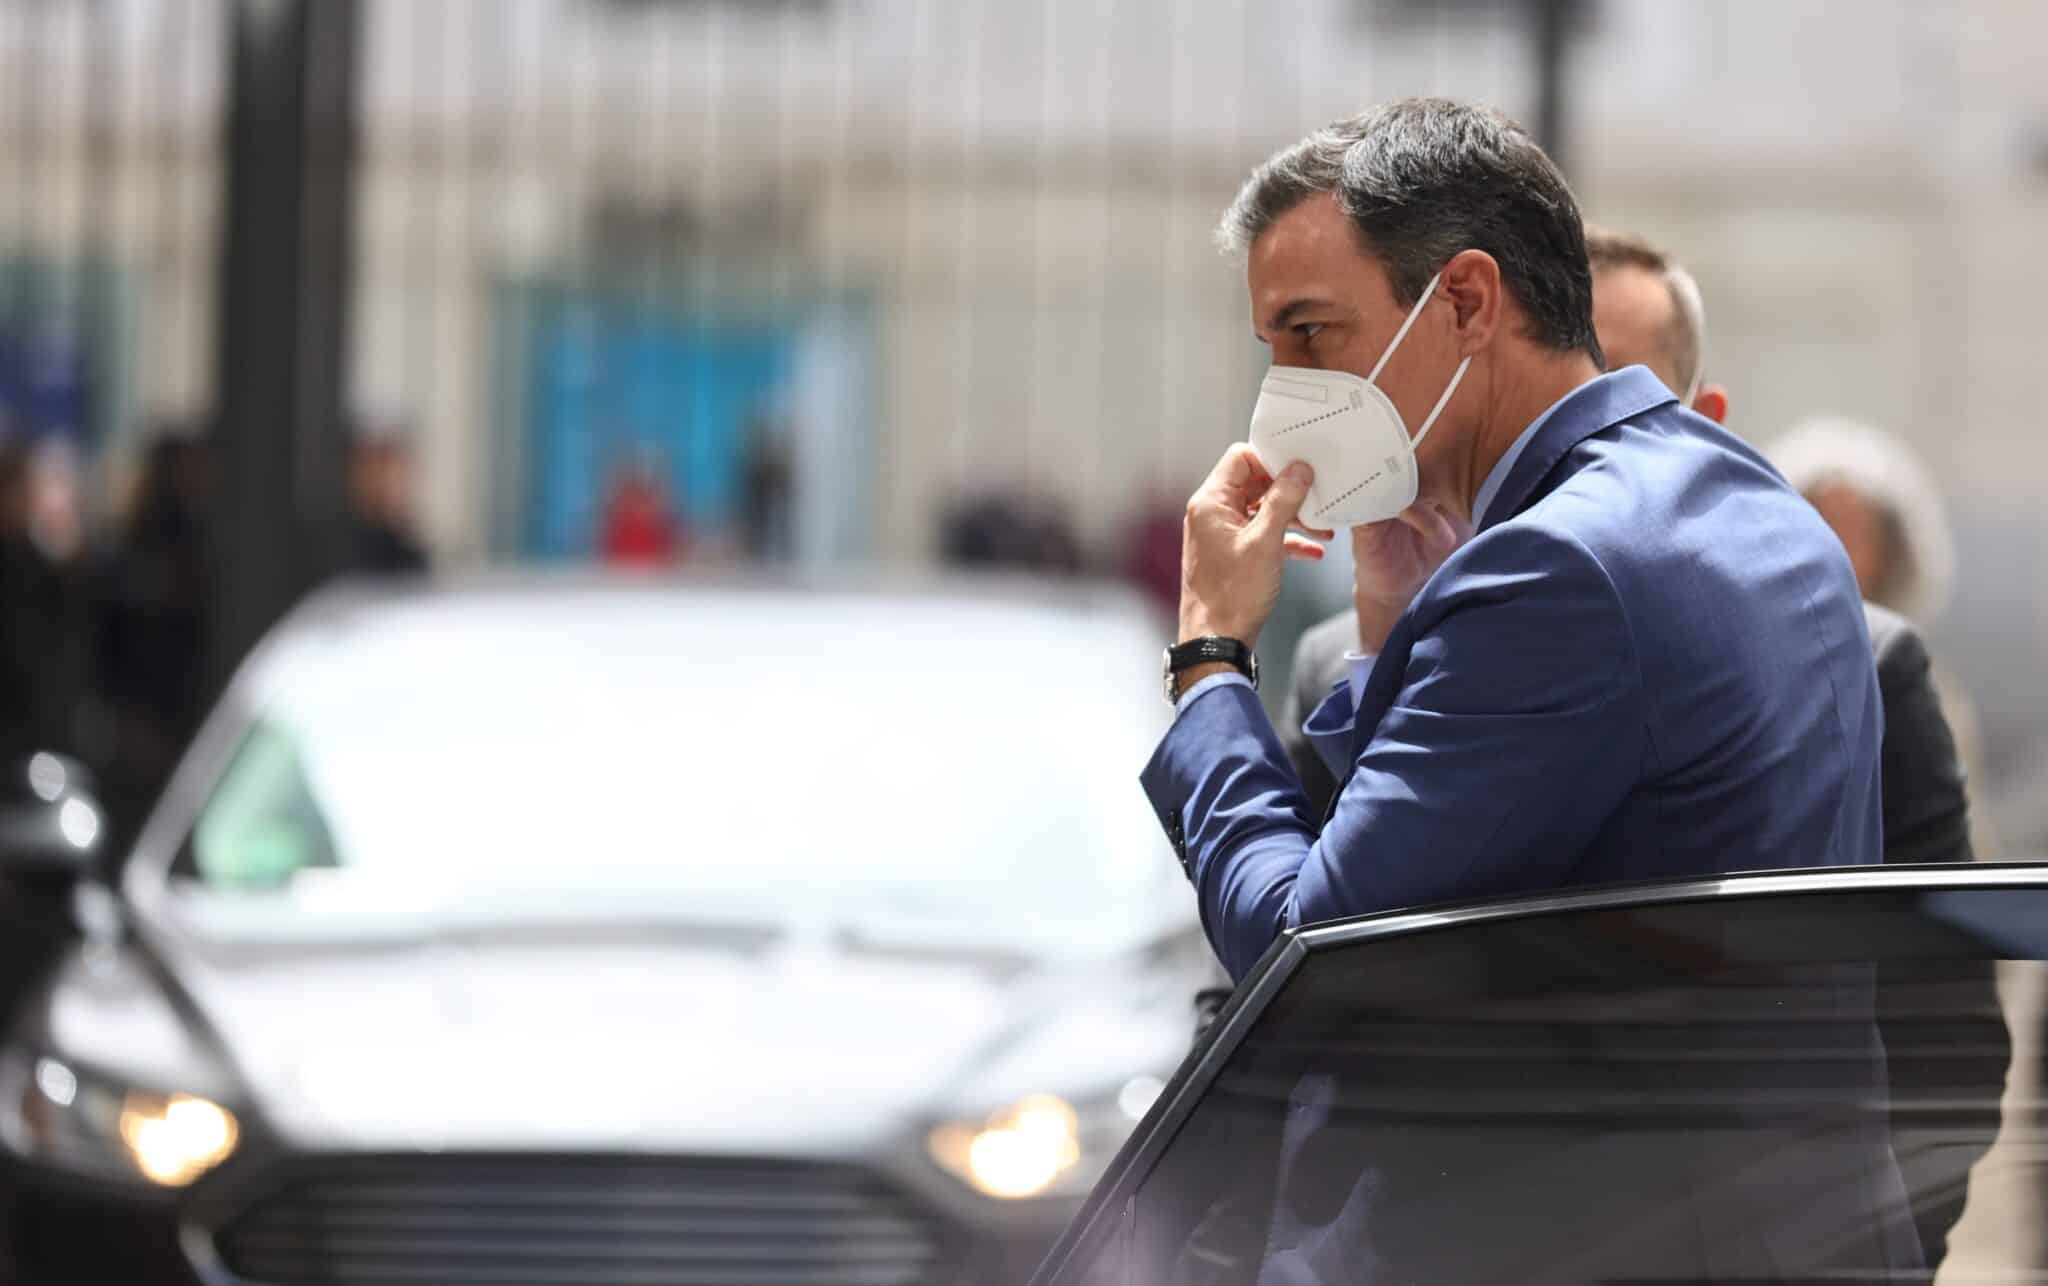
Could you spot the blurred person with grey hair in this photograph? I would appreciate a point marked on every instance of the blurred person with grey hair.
(1888, 512)
(1882, 503)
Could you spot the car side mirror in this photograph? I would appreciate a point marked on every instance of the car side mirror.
(51, 825)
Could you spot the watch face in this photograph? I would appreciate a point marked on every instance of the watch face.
(1167, 676)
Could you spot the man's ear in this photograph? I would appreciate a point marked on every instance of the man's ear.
(1472, 278)
(1712, 402)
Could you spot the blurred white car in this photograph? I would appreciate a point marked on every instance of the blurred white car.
(594, 931)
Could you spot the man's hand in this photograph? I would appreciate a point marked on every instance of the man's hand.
(1234, 543)
(1393, 559)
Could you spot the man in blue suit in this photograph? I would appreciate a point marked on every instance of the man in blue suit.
(1604, 642)
(1601, 640)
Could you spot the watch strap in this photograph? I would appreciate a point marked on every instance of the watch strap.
(1214, 649)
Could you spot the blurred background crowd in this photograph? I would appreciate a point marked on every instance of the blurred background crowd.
(912, 283)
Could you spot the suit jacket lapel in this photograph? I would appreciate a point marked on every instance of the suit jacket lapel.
(1594, 406)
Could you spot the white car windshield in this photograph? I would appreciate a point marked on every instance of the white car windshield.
(952, 769)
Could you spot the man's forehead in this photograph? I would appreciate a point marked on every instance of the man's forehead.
(1311, 228)
(1309, 252)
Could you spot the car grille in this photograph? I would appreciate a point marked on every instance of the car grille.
(583, 1223)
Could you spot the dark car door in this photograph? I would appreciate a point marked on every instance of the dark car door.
(1799, 1077)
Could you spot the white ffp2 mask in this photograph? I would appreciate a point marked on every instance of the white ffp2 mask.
(1347, 430)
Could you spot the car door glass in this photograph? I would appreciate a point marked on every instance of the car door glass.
(1823, 1087)
(1108, 1260)
(263, 824)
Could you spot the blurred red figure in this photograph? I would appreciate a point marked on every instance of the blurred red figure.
(637, 529)
(1151, 556)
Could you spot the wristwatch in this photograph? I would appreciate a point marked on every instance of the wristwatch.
(1204, 651)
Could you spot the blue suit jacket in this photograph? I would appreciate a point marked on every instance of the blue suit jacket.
(1649, 661)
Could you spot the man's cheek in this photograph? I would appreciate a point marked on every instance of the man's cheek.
(1351, 354)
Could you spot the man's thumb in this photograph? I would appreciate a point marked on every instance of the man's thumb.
(1282, 502)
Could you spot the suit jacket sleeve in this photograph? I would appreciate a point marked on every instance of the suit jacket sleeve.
(1926, 805)
(1516, 728)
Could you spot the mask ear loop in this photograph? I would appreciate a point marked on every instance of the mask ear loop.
(1442, 402)
(1401, 334)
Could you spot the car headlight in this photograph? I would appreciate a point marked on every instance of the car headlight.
(1041, 1145)
(62, 1116)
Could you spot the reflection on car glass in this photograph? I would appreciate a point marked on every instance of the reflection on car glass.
(262, 825)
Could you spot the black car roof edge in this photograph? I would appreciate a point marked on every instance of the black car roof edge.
(1333, 934)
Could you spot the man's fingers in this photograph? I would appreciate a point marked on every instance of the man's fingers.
(1433, 525)
(1442, 530)
(1238, 480)
(1371, 535)
(1303, 548)
(1281, 505)
(1300, 528)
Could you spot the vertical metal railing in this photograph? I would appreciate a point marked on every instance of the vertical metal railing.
(1021, 194)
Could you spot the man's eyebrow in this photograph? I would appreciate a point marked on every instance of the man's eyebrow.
(1294, 308)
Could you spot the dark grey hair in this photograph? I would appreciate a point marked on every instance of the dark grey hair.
(1425, 178)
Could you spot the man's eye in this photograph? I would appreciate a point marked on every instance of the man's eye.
(1306, 331)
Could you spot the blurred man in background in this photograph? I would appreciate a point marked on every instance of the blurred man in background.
(46, 620)
(46, 602)
(382, 539)
(154, 621)
(1651, 308)
(1010, 529)
(768, 488)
